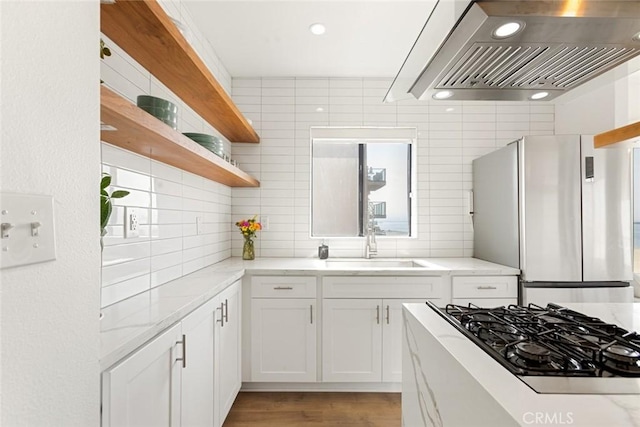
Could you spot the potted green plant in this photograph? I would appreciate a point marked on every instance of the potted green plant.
(106, 206)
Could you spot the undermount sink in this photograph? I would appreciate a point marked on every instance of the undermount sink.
(373, 263)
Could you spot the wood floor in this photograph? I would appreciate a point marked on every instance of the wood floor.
(252, 409)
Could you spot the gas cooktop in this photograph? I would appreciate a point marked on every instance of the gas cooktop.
(553, 349)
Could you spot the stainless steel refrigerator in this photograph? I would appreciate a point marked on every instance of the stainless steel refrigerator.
(560, 211)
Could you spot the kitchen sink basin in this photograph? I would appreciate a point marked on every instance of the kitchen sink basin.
(374, 263)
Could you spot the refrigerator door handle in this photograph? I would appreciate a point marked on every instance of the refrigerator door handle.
(588, 168)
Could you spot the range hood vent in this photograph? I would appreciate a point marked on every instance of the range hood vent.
(552, 52)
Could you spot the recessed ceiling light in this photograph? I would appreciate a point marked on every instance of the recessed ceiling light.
(507, 30)
(319, 109)
(539, 95)
(318, 29)
(443, 94)
(636, 37)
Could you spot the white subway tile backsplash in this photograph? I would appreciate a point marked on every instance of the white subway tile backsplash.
(171, 204)
(124, 290)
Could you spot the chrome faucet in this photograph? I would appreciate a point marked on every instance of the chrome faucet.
(371, 247)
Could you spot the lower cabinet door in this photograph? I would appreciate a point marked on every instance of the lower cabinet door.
(228, 355)
(392, 338)
(144, 389)
(198, 373)
(352, 340)
(283, 340)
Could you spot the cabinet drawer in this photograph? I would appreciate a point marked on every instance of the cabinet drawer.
(283, 286)
(485, 287)
(382, 287)
(485, 302)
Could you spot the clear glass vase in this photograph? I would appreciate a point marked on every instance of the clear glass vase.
(248, 252)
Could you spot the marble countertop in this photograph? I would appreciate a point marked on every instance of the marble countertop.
(130, 323)
(334, 266)
(517, 399)
(127, 325)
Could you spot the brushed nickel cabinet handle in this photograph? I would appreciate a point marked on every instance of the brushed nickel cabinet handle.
(221, 319)
(184, 351)
(486, 287)
(226, 311)
(283, 288)
(311, 313)
(387, 314)
(378, 314)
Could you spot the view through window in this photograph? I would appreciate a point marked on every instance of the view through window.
(361, 180)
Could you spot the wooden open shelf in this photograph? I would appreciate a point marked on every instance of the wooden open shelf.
(140, 132)
(144, 30)
(617, 135)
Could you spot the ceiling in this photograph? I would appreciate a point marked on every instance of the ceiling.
(364, 38)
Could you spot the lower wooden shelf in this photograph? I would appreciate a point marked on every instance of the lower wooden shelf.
(141, 133)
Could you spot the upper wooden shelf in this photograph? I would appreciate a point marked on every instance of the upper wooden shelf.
(144, 30)
(617, 135)
(140, 132)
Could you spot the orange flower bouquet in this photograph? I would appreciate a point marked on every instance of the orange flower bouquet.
(248, 228)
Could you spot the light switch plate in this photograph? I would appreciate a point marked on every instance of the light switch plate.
(29, 235)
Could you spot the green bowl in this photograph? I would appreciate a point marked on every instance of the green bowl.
(154, 102)
(161, 109)
(202, 137)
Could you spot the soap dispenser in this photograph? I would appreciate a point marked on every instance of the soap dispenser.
(323, 251)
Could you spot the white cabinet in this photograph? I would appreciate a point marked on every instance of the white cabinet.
(352, 340)
(362, 324)
(144, 389)
(227, 350)
(283, 329)
(187, 376)
(283, 340)
(484, 291)
(362, 340)
(392, 338)
(198, 373)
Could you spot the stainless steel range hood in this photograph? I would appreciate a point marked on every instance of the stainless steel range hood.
(559, 45)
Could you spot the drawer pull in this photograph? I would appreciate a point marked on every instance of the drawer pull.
(487, 287)
(387, 314)
(311, 313)
(378, 314)
(283, 288)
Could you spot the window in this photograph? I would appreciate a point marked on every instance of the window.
(361, 179)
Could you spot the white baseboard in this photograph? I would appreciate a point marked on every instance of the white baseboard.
(326, 387)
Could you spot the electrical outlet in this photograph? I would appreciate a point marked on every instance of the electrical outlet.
(199, 225)
(131, 226)
(264, 221)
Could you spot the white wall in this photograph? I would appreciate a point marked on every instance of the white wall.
(50, 145)
(450, 136)
(606, 102)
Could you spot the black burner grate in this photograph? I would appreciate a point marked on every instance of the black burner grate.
(553, 340)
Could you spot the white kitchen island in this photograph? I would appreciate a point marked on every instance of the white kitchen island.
(450, 381)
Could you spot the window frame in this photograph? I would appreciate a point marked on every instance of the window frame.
(363, 135)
